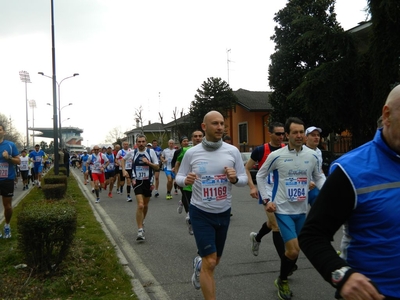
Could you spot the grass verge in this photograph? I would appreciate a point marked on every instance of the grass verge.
(90, 271)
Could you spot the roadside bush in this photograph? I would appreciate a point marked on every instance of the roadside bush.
(45, 233)
(54, 191)
(53, 179)
(62, 171)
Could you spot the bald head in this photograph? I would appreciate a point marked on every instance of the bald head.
(211, 114)
(391, 120)
(213, 126)
(393, 100)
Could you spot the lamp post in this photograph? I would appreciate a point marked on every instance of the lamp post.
(59, 120)
(32, 104)
(59, 101)
(24, 76)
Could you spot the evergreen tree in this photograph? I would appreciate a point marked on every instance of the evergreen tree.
(214, 94)
(384, 52)
(310, 70)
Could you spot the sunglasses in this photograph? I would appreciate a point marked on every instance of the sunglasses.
(279, 133)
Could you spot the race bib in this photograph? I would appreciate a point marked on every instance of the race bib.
(3, 170)
(96, 166)
(142, 172)
(296, 189)
(24, 166)
(214, 188)
(128, 164)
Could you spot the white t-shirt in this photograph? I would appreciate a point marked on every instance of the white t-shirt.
(24, 165)
(211, 191)
(168, 155)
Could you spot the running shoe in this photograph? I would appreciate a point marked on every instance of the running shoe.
(109, 195)
(129, 199)
(97, 200)
(196, 272)
(92, 191)
(180, 207)
(168, 197)
(140, 235)
(156, 194)
(284, 292)
(7, 232)
(176, 192)
(254, 244)
(189, 225)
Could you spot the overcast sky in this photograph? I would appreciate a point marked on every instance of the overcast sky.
(128, 54)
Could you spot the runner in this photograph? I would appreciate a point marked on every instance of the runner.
(158, 151)
(8, 159)
(99, 163)
(144, 162)
(24, 168)
(128, 167)
(166, 158)
(38, 157)
(110, 171)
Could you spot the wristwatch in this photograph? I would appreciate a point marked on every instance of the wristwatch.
(265, 202)
(338, 275)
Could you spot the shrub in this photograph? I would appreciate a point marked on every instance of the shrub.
(62, 171)
(54, 191)
(45, 233)
(53, 179)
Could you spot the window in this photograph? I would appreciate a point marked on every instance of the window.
(243, 133)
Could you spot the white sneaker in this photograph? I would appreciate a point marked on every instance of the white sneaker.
(129, 199)
(7, 232)
(196, 272)
(140, 236)
(189, 225)
(254, 244)
(180, 207)
(97, 200)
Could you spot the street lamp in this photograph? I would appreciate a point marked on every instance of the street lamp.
(59, 120)
(24, 76)
(59, 101)
(32, 104)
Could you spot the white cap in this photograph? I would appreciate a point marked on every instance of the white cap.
(311, 129)
(149, 144)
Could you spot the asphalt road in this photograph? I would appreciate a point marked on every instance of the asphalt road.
(162, 265)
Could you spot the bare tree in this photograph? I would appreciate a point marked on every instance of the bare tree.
(139, 117)
(114, 135)
(11, 133)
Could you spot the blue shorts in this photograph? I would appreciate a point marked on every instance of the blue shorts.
(290, 225)
(169, 173)
(38, 168)
(210, 230)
